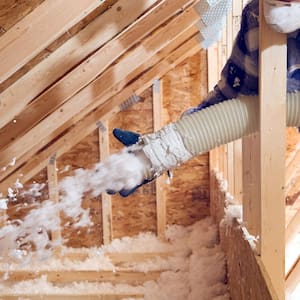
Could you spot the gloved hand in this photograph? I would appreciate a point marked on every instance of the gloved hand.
(127, 138)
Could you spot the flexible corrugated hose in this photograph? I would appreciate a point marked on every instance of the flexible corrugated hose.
(206, 129)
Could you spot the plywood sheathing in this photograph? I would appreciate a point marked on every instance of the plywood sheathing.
(83, 155)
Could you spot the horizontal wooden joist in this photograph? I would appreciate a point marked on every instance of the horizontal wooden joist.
(96, 34)
(71, 296)
(91, 97)
(116, 258)
(130, 277)
(37, 30)
(85, 126)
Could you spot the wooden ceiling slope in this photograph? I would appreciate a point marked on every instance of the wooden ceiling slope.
(32, 34)
(14, 10)
(133, 47)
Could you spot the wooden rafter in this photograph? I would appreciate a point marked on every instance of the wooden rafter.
(33, 33)
(69, 276)
(92, 96)
(72, 296)
(15, 98)
(268, 207)
(293, 278)
(85, 126)
(64, 142)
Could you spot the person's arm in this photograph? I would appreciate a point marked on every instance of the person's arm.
(239, 75)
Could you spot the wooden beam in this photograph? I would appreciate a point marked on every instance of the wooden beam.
(93, 95)
(129, 277)
(293, 228)
(33, 33)
(213, 71)
(96, 34)
(264, 158)
(292, 235)
(157, 92)
(87, 71)
(105, 198)
(271, 169)
(37, 162)
(53, 191)
(123, 258)
(291, 210)
(251, 206)
(234, 27)
(72, 296)
(117, 258)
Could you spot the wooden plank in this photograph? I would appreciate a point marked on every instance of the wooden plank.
(93, 95)
(292, 234)
(87, 71)
(272, 90)
(34, 163)
(72, 52)
(293, 278)
(129, 277)
(117, 258)
(70, 296)
(212, 78)
(293, 228)
(123, 258)
(235, 20)
(105, 198)
(160, 181)
(238, 171)
(230, 168)
(291, 170)
(53, 191)
(33, 33)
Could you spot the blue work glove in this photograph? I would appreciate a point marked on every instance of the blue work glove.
(127, 138)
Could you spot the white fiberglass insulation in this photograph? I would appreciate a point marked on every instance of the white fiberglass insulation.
(196, 270)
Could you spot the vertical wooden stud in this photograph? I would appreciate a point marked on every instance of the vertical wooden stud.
(105, 198)
(272, 102)
(53, 191)
(159, 182)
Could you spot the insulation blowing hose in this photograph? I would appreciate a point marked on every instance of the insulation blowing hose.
(206, 129)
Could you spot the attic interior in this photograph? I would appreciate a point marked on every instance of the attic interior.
(71, 71)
